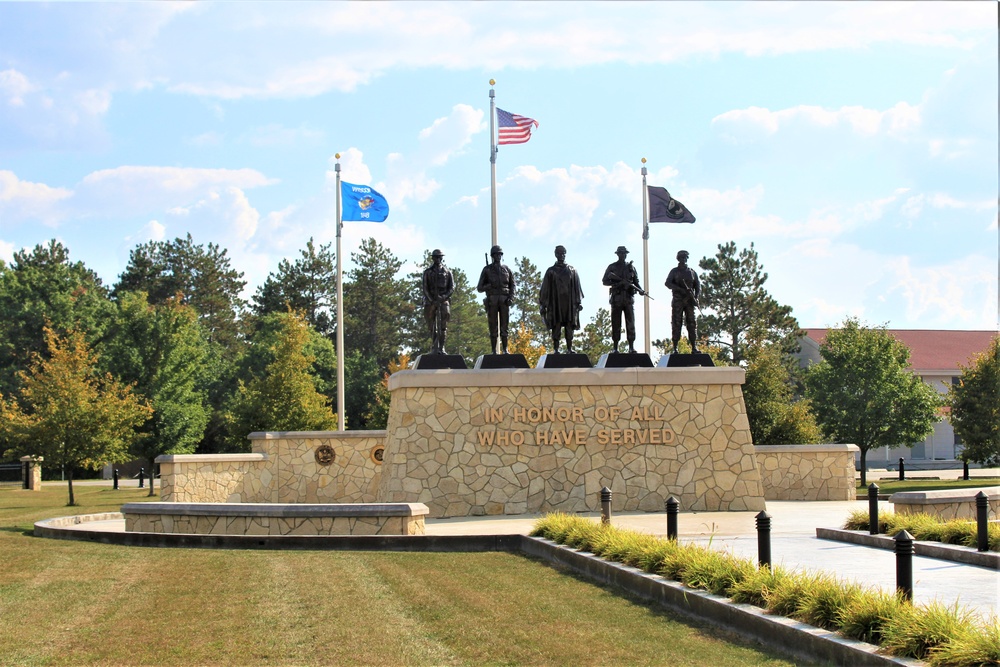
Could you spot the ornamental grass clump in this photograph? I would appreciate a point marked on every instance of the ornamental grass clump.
(715, 572)
(974, 647)
(757, 586)
(822, 603)
(865, 616)
(927, 528)
(914, 632)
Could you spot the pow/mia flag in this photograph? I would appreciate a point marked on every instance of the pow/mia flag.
(664, 208)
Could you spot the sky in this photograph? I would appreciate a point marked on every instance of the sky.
(855, 145)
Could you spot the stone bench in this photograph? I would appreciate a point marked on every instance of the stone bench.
(945, 504)
(276, 518)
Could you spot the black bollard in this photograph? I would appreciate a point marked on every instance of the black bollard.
(26, 475)
(982, 522)
(673, 508)
(764, 539)
(904, 564)
(902, 469)
(114, 478)
(142, 475)
(873, 509)
(606, 505)
(965, 470)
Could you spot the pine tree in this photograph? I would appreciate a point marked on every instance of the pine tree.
(308, 285)
(375, 304)
(736, 309)
(524, 310)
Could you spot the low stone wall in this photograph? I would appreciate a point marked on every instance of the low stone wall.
(945, 505)
(539, 440)
(34, 471)
(807, 472)
(285, 467)
(275, 518)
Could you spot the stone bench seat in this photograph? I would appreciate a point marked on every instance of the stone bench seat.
(946, 504)
(276, 518)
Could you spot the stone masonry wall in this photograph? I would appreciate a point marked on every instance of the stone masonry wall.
(524, 441)
(285, 467)
(807, 472)
(265, 525)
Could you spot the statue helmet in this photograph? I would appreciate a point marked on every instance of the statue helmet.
(496, 250)
(683, 254)
(621, 249)
(437, 253)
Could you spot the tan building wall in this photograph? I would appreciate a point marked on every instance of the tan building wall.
(807, 472)
(525, 441)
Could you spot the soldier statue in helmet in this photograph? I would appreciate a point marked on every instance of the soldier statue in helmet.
(497, 281)
(438, 285)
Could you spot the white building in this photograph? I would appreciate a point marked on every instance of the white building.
(936, 356)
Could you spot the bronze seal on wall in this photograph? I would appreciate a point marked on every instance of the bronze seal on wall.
(325, 455)
(376, 454)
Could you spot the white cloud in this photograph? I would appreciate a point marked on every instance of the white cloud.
(25, 201)
(277, 135)
(753, 123)
(14, 86)
(962, 290)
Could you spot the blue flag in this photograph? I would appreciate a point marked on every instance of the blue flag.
(362, 203)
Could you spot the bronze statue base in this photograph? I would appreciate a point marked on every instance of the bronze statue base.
(437, 362)
(625, 360)
(495, 361)
(565, 360)
(685, 360)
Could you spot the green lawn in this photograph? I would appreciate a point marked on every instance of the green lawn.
(76, 603)
(894, 485)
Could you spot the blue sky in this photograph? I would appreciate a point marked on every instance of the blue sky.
(855, 144)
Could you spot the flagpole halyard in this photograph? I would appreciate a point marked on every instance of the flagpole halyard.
(645, 256)
(340, 310)
(493, 164)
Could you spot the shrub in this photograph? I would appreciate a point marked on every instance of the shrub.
(757, 586)
(823, 602)
(915, 631)
(925, 527)
(976, 647)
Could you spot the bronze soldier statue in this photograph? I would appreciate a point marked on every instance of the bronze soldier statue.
(683, 282)
(560, 300)
(497, 280)
(438, 285)
(621, 277)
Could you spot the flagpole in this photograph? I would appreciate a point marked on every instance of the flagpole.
(340, 310)
(493, 162)
(645, 253)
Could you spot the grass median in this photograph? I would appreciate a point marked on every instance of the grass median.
(78, 603)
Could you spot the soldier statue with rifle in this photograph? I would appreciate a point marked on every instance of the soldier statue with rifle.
(497, 280)
(683, 282)
(623, 280)
(438, 285)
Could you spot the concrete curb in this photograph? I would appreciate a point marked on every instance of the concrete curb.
(797, 639)
(951, 552)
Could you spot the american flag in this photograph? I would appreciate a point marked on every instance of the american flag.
(513, 129)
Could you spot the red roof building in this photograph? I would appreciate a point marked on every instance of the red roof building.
(937, 357)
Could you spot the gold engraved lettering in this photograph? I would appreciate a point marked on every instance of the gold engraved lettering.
(485, 437)
(614, 413)
(517, 438)
(629, 438)
(655, 437)
(636, 413)
(668, 436)
(548, 414)
(616, 436)
(534, 415)
(602, 437)
(541, 437)
(502, 437)
(601, 414)
(578, 414)
(562, 414)
(518, 414)
(642, 435)
(494, 415)
(581, 437)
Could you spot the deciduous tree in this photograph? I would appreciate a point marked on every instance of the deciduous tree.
(775, 417)
(284, 397)
(595, 339)
(528, 280)
(975, 407)
(736, 309)
(863, 392)
(160, 349)
(69, 413)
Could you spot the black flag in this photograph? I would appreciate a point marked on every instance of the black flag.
(664, 208)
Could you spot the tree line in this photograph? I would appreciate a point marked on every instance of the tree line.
(171, 360)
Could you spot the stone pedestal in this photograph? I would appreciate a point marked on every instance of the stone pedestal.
(34, 472)
(540, 440)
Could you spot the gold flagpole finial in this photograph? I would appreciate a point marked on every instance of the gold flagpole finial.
(493, 82)
(644, 160)
(336, 155)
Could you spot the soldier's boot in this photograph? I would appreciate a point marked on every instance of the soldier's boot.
(694, 346)
(441, 342)
(614, 346)
(569, 342)
(631, 346)
(503, 344)
(675, 341)
(493, 344)
(555, 341)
